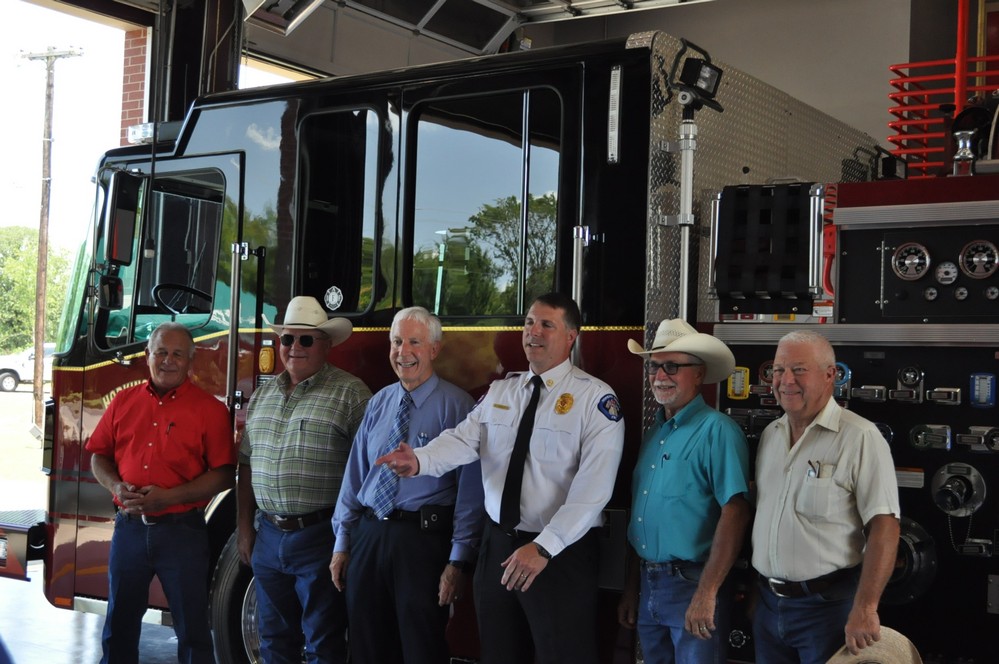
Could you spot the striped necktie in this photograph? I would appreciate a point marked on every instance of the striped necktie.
(387, 485)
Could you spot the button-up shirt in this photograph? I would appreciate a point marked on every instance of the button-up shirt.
(437, 405)
(814, 499)
(688, 467)
(575, 449)
(166, 440)
(297, 439)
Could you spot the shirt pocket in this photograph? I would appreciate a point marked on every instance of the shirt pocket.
(317, 434)
(556, 445)
(673, 478)
(500, 426)
(822, 499)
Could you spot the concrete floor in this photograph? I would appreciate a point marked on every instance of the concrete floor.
(34, 631)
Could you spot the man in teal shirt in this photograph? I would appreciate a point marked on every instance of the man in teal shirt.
(689, 504)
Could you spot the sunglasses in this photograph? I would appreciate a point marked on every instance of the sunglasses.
(304, 340)
(670, 368)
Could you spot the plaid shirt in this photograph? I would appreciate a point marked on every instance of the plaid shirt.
(297, 444)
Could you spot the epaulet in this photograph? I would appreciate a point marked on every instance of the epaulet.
(513, 374)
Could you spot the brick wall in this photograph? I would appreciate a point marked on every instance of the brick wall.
(133, 92)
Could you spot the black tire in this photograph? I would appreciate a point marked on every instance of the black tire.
(8, 381)
(230, 583)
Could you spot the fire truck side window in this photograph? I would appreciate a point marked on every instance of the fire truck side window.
(173, 275)
(338, 161)
(485, 202)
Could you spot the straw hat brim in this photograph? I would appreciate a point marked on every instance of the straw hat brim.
(892, 648)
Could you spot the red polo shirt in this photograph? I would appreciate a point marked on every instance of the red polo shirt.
(165, 441)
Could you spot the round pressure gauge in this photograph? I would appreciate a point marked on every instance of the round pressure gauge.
(960, 293)
(992, 293)
(767, 372)
(910, 261)
(945, 273)
(978, 259)
(930, 294)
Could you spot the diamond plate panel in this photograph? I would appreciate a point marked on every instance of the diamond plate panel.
(763, 135)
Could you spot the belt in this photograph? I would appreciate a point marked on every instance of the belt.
(672, 567)
(394, 515)
(295, 522)
(514, 532)
(820, 584)
(169, 517)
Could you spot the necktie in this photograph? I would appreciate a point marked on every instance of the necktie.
(510, 501)
(387, 485)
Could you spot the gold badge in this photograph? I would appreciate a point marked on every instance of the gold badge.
(564, 404)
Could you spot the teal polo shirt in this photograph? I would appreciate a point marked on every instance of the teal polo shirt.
(688, 467)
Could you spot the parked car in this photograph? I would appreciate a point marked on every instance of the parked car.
(20, 367)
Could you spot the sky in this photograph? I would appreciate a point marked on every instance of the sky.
(86, 115)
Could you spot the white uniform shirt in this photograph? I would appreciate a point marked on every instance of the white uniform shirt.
(574, 453)
(814, 499)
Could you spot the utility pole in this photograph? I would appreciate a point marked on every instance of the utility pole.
(50, 56)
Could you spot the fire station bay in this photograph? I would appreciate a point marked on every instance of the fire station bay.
(716, 175)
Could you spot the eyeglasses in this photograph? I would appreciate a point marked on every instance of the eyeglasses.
(652, 368)
(304, 340)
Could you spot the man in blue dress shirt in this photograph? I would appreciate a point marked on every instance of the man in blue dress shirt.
(689, 504)
(402, 552)
(536, 580)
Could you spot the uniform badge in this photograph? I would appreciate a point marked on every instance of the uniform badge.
(610, 407)
(564, 404)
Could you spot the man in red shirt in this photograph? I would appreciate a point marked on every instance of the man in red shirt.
(162, 449)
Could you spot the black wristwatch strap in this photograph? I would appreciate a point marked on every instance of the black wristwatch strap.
(462, 565)
(543, 552)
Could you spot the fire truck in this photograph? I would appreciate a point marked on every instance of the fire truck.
(636, 174)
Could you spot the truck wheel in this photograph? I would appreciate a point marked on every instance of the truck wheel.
(233, 609)
(8, 381)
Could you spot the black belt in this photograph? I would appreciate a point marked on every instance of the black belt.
(394, 515)
(169, 517)
(820, 584)
(672, 567)
(291, 523)
(514, 532)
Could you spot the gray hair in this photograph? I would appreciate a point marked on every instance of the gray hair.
(420, 315)
(824, 353)
(163, 328)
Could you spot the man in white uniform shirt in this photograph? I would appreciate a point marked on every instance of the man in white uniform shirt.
(826, 531)
(536, 580)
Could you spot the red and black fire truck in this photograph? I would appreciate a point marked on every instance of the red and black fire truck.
(469, 188)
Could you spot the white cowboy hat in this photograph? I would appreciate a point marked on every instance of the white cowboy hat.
(305, 313)
(893, 648)
(676, 336)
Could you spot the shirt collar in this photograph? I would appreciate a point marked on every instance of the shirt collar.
(551, 377)
(423, 392)
(827, 418)
(695, 406)
(175, 392)
(284, 379)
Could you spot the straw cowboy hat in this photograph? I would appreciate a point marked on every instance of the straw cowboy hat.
(305, 313)
(893, 648)
(676, 336)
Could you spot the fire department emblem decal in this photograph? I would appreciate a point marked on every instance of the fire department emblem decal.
(333, 298)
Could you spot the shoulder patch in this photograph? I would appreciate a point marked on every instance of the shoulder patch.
(610, 407)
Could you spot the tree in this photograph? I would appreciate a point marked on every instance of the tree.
(18, 264)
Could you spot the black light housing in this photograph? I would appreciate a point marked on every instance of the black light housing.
(702, 76)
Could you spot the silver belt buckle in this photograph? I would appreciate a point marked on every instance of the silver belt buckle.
(147, 522)
(775, 582)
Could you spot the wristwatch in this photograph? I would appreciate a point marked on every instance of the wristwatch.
(462, 565)
(543, 552)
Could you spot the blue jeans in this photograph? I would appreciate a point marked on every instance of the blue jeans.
(177, 552)
(808, 629)
(297, 604)
(665, 592)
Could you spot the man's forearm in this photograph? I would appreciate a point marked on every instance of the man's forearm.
(879, 560)
(246, 504)
(727, 543)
